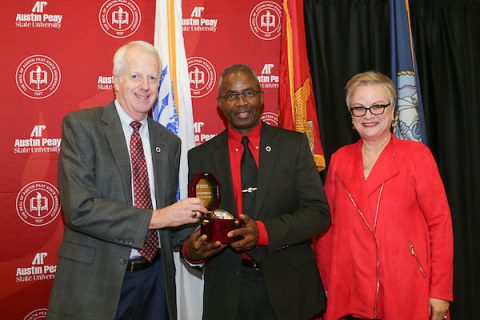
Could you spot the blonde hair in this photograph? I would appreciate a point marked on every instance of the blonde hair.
(369, 78)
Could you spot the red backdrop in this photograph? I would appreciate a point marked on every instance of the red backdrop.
(56, 58)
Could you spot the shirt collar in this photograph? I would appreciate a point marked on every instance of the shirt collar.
(125, 119)
(235, 137)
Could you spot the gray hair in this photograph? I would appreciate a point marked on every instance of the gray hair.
(119, 58)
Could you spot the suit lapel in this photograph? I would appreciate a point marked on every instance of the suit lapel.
(350, 174)
(267, 161)
(116, 139)
(159, 158)
(159, 152)
(385, 168)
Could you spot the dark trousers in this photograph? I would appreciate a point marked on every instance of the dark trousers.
(143, 294)
(254, 303)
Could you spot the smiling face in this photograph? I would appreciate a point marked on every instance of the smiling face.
(242, 114)
(372, 127)
(136, 86)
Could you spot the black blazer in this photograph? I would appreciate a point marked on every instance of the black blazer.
(292, 204)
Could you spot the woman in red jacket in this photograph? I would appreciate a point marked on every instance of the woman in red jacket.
(389, 251)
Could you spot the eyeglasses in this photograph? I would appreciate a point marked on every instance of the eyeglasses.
(235, 96)
(375, 109)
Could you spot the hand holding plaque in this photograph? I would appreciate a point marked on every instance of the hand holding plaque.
(216, 223)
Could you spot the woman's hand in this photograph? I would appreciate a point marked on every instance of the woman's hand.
(438, 309)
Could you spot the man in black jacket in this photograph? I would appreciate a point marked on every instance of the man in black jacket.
(269, 271)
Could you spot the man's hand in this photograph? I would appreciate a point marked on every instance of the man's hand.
(248, 234)
(197, 248)
(186, 211)
(438, 309)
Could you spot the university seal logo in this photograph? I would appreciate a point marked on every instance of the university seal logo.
(38, 203)
(120, 18)
(38, 76)
(38, 314)
(270, 118)
(265, 20)
(202, 76)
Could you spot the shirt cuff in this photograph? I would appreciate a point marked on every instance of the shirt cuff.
(263, 237)
(191, 263)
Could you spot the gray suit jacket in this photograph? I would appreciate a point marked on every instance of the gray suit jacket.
(292, 204)
(101, 224)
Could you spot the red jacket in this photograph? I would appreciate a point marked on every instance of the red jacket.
(408, 251)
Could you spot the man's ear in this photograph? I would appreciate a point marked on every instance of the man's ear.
(219, 105)
(116, 83)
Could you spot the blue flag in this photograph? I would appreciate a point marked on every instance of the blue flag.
(409, 119)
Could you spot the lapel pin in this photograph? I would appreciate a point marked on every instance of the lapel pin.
(158, 149)
(268, 148)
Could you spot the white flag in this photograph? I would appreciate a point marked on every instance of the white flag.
(174, 111)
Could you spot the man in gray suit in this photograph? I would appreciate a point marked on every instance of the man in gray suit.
(268, 272)
(118, 178)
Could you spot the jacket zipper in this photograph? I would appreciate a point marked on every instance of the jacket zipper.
(414, 253)
(373, 231)
(377, 286)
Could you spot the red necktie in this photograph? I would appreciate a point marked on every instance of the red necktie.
(141, 188)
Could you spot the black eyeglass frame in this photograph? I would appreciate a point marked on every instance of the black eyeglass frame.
(378, 106)
(233, 96)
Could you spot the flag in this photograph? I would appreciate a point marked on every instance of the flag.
(409, 123)
(297, 102)
(174, 110)
(174, 107)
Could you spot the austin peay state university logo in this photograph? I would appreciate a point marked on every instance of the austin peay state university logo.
(38, 76)
(202, 76)
(38, 270)
(265, 20)
(38, 203)
(39, 18)
(120, 18)
(197, 22)
(38, 142)
(268, 78)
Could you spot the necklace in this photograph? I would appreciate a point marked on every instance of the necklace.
(369, 157)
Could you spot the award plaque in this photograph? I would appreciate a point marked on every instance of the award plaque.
(216, 223)
(205, 187)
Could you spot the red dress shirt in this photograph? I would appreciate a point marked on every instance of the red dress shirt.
(235, 150)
